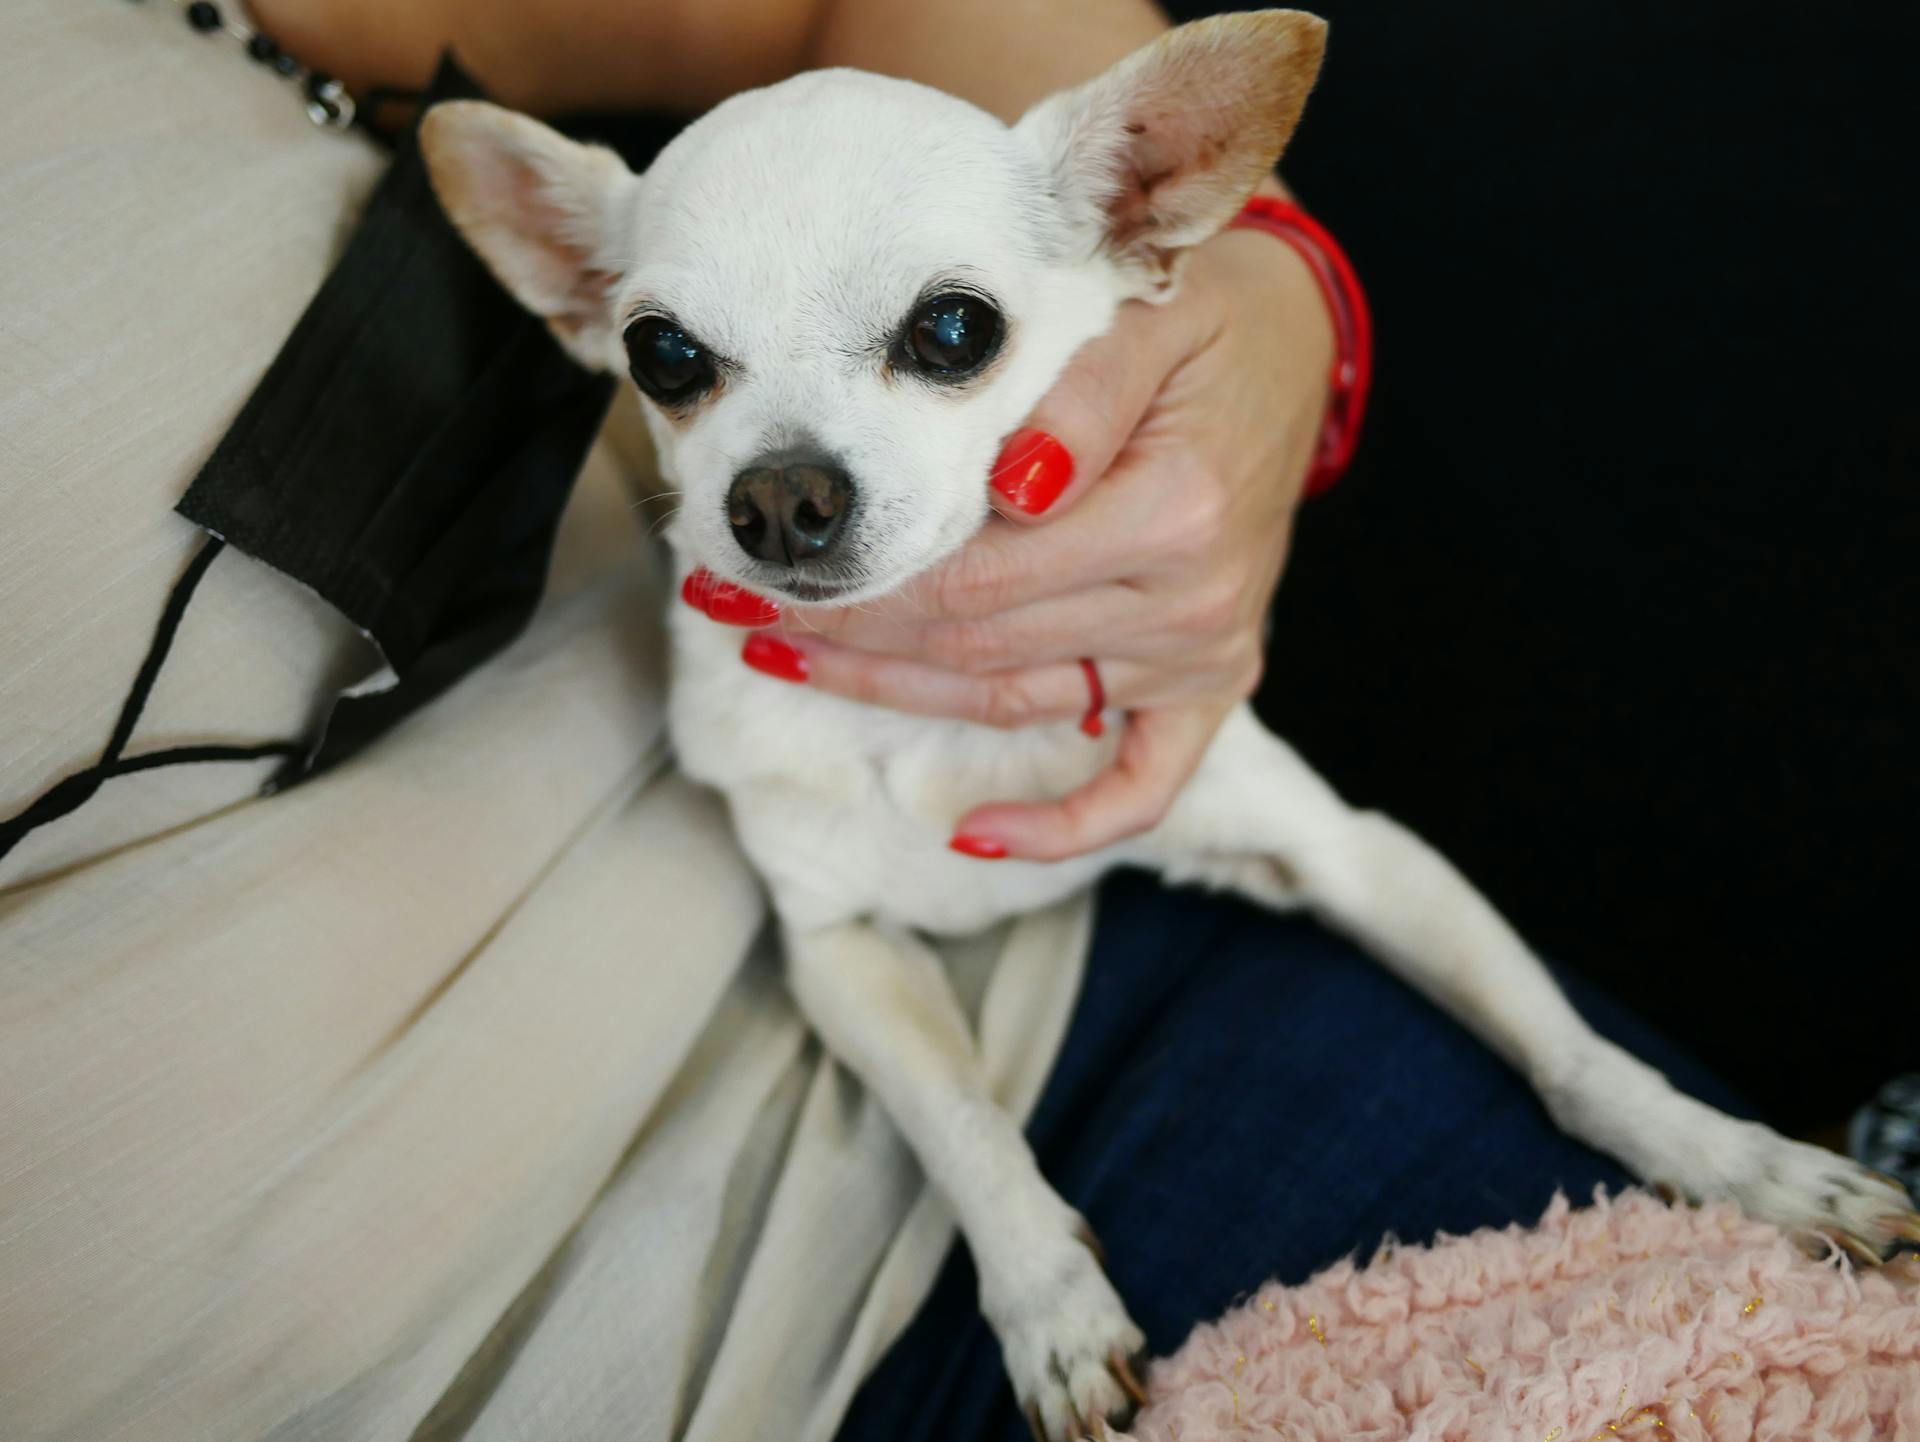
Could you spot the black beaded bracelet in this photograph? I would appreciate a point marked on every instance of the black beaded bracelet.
(328, 104)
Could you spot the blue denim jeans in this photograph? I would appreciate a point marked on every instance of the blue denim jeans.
(1244, 1096)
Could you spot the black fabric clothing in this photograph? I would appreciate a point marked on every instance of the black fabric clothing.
(1620, 605)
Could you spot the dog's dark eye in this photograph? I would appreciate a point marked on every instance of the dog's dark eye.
(667, 363)
(954, 334)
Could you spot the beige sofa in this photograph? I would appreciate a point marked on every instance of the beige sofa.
(455, 1093)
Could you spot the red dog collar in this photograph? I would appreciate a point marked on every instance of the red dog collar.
(1352, 375)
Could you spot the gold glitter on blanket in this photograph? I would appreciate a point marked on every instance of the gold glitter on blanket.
(1749, 1309)
(1313, 1326)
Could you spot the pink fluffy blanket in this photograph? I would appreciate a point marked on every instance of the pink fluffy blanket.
(1628, 1321)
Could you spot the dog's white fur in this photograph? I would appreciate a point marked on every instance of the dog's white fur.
(790, 230)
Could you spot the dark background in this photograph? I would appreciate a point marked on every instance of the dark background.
(1618, 605)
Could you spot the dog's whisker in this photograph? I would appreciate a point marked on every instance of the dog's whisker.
(655, 496)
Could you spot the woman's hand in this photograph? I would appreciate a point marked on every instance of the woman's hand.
(1148, 534)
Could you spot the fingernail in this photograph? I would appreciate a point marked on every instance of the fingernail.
(984, 847)
(725, 602)
(775, 657)
(1032, 471)
(1093, 724)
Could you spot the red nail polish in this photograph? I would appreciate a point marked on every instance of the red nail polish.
(984, 847)
(1032, 471)
(725, 602)
(694, 589)
(775, 657)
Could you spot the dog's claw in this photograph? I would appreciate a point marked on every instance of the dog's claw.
(1123, 1373)
(1905, 1226)
(1091, 1243)
(1033, 1422)
(1865, 1255)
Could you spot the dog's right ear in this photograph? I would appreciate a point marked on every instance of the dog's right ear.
(549, 216)
(1159, 153)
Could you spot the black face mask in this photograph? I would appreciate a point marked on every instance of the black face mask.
(406, 456)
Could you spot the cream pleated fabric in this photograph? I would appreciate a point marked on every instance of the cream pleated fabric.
(457, 1094)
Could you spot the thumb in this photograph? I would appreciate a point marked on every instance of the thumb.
(1159, 750)
(1081, 424)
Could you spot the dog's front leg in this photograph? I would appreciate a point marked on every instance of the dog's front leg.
(882, 1003)
(1258, 819)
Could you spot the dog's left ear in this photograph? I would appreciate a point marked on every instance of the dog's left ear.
(549, 216)
(1161, 151)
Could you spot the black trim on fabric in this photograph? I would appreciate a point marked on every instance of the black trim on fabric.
(70, 793)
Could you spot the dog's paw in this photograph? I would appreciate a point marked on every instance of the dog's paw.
(1809, 1192)
(1068, 1342)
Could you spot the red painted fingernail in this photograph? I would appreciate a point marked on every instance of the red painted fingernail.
(725, 602)
(697, 587)
(1032, 471)
(775, 657)
(984, 847)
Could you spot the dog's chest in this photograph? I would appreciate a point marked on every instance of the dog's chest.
(846, 809)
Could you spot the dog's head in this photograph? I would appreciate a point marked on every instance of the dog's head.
(841, 293)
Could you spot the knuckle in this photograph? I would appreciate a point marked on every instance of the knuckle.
(864, 683)
(962, 645)
(1084, 401)
(1093, 826)
(1154, 808)
(1201, 516)
(1138, 819)
(972, 584)
(1008, 702)
(1213, 606)
(1252, 671)
(1083, 822)
(1090, 388)
(1243, 669)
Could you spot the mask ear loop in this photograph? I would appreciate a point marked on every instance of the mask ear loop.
(70, 793)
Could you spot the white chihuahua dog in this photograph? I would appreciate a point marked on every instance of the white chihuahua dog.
(839, 295)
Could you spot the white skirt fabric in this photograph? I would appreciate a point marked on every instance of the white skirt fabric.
(457, 1093)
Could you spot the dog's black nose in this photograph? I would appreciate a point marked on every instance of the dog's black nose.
(789, 508)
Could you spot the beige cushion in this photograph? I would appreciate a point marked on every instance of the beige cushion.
(454, 1094)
